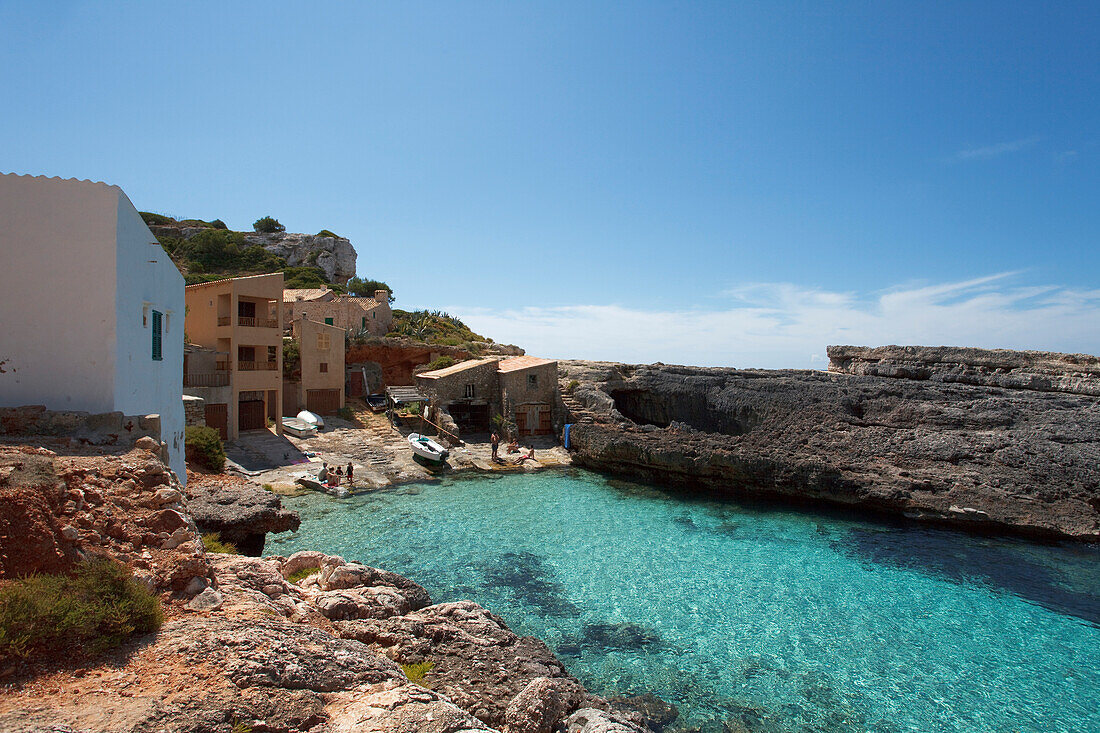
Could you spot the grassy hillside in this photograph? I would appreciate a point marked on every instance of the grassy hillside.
(435, 327)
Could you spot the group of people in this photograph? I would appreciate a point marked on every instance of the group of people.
(333, 478)
(513, 447)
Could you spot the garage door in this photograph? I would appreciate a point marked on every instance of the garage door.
(533, 420)
(250, 415)
(470, 418)
(217, 417)
(323, 401)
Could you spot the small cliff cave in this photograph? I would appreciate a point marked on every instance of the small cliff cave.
(647, 407)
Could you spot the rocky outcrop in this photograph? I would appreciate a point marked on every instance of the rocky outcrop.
(987, 458)
(239, 511)
(1042, 371)
(267, 658)
(334, 255)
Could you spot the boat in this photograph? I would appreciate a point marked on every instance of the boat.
(376, 402)
(427, 448)
(299, 428)
(312, 418)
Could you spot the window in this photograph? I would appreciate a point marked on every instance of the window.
(157, 354)
(324, 341)
(328, 321)
(364, 321)
(532, 381)
(469, 390)
(324, 367)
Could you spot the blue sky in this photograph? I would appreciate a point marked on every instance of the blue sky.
(711, 183)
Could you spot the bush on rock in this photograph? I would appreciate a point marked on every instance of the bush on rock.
(204, 446)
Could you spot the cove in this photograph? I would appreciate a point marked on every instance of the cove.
(778, 618)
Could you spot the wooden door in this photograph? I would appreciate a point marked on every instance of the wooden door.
(250, 415)
(521, 421)
(545, 426)
(217, 417)
(323, 401)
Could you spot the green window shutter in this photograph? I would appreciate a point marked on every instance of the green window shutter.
(364, 321)
(157, 325)
(328, 321)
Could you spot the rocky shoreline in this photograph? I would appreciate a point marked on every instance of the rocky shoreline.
(309, 642)
(1008, 454)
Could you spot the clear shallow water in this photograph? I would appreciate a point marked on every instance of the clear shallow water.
(786, 619)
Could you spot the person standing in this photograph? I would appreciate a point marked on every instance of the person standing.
(494, 440)
(351, 474)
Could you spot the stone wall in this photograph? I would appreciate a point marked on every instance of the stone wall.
(1043, 371)
(18, 424)
(194, 411)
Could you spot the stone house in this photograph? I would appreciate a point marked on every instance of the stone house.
(351, 313)
(471, 393)
(93, 306)
(320, 387)
(240, 320)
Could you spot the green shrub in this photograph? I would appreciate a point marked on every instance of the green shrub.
(304, 277)
(417, 672)
(346, 413)
(152, 219)
(218, 224)
(366, 288)
(572, 386)
(89, 612)
(212, 542)
(204, 445)
(327, 233)
(292, 358)
(302, 574)
(267, 487)
(441, 363)
(268, 225)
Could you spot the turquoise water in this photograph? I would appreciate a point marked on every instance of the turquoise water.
(783, 619)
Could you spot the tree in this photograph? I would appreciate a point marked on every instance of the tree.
(366, 288)
(268, 225)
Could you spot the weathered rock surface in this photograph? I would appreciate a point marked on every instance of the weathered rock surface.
(982, 457)
(334, 255)
(238, 511)
(1043, 371)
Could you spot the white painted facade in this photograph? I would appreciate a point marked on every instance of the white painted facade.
(80, 278)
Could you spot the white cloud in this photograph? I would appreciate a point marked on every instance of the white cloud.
(995, 151)
(783, 325)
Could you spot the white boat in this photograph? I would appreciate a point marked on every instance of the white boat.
(427, 448)
(299, 428)
(312, 418)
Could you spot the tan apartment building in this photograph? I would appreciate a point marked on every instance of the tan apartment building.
(352, 314)
(320, 388)
(241, 319)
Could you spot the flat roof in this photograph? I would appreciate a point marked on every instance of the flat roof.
(522, 362)
(457, 368)
(231, 279)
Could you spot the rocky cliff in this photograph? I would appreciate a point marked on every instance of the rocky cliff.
(306, 643)
(334, 255)
(1043, 371)
(989, 458)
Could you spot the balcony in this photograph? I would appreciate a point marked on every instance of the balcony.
(249, 321)
(257, 322)
(206, 379)
(256, 366)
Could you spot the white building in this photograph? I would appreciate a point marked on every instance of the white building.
(91, 306)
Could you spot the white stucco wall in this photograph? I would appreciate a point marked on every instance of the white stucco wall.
(147, 281)
(75, 277)
(57, 293)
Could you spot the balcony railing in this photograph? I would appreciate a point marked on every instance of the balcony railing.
(257, 322)
(206, 379)
(256, 366)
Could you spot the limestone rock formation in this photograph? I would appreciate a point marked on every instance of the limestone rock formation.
(334, 255)
(983, 457)
(1043, 371)
(239, 511)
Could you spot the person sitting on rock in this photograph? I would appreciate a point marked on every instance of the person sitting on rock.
(322, 475)
(529, 457)
(513, 447)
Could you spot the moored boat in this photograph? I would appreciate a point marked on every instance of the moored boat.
(427, 448)
(312, 418)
